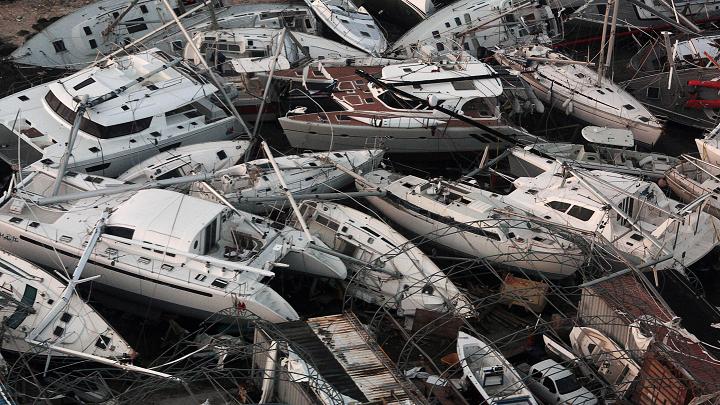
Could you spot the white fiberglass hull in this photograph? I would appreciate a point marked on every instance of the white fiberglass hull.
(647, 134)
(188, 299)
(317, 136)
(554, 264)
(111, 163)
(709, 150)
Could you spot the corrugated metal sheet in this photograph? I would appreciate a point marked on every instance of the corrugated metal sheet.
(658, 385)
(363, 360)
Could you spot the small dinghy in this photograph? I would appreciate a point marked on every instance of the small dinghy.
(351, 23)
(29, 294)
(614, 364)
(251, 186)
(487, 370)
(574, 88)
(386, 268)
(207, 157)
(695, 179)
(467, 220)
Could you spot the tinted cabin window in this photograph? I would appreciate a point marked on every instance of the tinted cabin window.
(580, 213)
(136, 27)
(209, 240)
(558, 205)
(548, 383)
(93, 128)
(120, 231)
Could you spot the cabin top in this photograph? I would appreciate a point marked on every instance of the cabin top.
(155, 94)
(166, 218)
(414, 72)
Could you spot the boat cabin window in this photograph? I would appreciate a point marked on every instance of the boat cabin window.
(210, 237)
(59, 46)
(581, 213)
(24, 309)
(653, 93)
(464, 85)
(558, 205)
(327, 222)
(549, 384)
(93, 128)
(120, 231)
(84, 83)
(567, 384)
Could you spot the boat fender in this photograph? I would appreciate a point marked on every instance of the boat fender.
(568, 106)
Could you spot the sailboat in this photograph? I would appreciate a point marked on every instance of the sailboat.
(367, 114)
(206, 157)
(186, 255)
(635, 216)
(385, 268)
(28, 295)
(468, 220)
(250, 50)
(307, 173)
(649, 13)
(579, 91)
(592, 156)
(476, 27)
(113, 116)
(105, 26)
(351, 23)
(682, 88)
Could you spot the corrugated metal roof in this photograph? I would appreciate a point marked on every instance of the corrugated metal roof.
(627, 294)
(362, 359)
(314, 350)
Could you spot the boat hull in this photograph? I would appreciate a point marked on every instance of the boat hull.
(165, 292)
(646, 134)
(652, 90)
(320, 136)
(114, 164)
(553, 264)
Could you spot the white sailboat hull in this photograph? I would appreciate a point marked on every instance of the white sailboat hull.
(318, 136)
(151, 285)
(554, 264)
(647, 134)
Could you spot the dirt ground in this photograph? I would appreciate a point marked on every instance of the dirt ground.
(20, 18)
